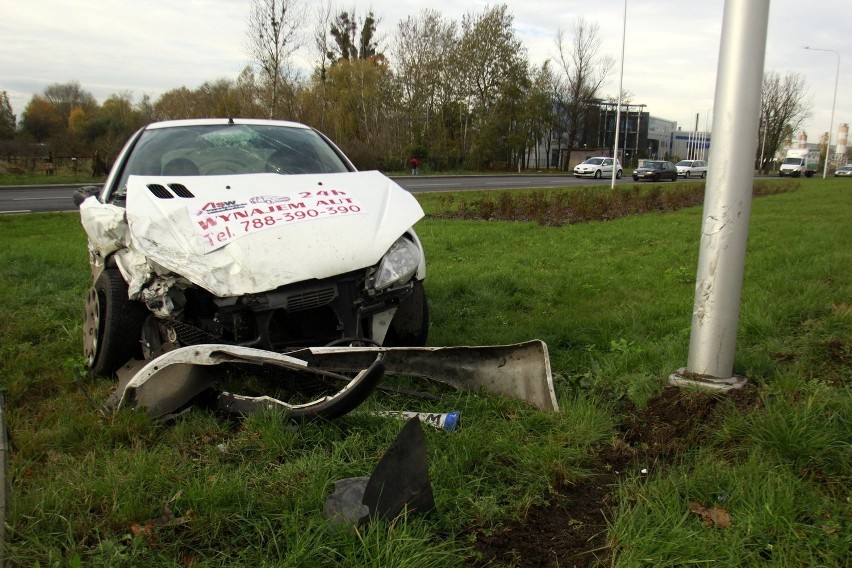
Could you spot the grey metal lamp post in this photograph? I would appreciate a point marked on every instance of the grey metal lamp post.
(833, 103)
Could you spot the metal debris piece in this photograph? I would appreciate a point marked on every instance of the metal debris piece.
(345, 506)
(165, 384)
(520, 371)
(399, 482)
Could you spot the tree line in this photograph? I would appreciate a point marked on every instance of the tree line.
(455, 94)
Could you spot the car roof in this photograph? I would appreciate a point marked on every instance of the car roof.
(222, 122)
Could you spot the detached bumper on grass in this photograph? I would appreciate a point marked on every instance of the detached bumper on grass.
(171, 381)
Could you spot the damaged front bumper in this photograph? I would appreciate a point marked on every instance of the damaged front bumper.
(166, 384)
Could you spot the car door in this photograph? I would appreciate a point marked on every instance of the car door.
(606, 168)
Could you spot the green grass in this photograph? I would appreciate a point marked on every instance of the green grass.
(613, 302)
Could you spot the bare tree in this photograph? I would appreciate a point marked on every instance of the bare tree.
(488, 61)
(65, 97)
(420, 52)
(540, 114)
(273, 30)
(586, 70)
(322, 39)
(784, 106)
(7, 117)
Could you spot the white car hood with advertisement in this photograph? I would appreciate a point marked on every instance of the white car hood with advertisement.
(244, 234)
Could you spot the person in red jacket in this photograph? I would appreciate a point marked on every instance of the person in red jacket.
(415, 166)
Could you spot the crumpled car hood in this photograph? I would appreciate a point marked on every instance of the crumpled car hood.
(242, 234)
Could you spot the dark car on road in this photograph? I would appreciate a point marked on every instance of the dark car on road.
(655, 170)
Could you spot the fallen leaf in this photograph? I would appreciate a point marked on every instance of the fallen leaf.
(164, 520)
(712, 517)
(720, 517)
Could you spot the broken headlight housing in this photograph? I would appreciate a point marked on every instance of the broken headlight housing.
(398, 265)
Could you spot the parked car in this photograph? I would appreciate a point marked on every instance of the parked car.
(843, 171)
(655, 170)
(254, 233)
(597, 168)
(692, 168)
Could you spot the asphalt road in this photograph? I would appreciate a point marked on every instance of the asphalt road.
(32, 199)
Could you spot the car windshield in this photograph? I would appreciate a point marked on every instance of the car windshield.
(594, 161)
(653, 165)
(209, 150)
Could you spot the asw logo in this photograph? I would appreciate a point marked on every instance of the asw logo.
(218, 207)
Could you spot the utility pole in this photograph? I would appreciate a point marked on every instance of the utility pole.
(727, 200)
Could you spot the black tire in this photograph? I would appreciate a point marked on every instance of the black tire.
(703, 175)
(686, 175)
(598, 174)
(112, 324)
(410, 325)
(656, 178)
(618, 174)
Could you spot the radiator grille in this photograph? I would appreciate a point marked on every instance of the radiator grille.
(311, 299)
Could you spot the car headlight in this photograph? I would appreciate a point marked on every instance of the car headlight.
(398, 264)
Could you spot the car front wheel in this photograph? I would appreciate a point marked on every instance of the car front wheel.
(410, 324)
(112, 324)
(598, 174)
(618, 174)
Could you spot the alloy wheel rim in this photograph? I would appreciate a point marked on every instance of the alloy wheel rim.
(92, 326)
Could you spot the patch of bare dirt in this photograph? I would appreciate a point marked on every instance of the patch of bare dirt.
(570, 530)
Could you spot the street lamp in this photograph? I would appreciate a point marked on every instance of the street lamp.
(833, 102)
(618, 110)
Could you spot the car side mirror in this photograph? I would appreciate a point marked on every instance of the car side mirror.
(85, 192)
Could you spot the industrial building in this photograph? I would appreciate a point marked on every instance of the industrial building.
(644, 136)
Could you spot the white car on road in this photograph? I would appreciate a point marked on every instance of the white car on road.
(692, 168)
(597, 168)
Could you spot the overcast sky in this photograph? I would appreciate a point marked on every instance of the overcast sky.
(672, 46)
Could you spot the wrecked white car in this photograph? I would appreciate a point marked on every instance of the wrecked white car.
(252, 233)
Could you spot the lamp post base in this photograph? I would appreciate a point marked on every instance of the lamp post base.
(684, 378)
